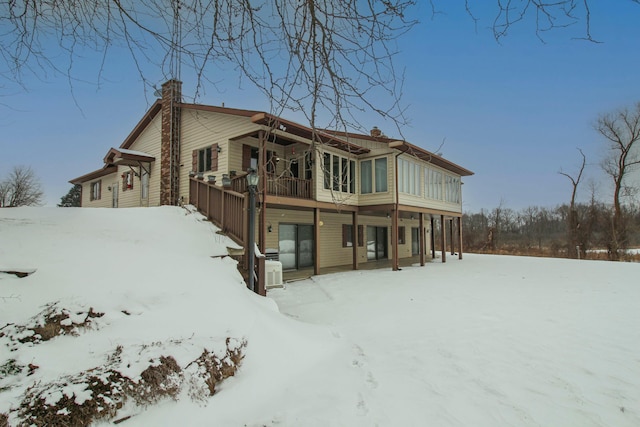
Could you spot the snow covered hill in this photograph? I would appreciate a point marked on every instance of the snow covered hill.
(121, 291)
(140, 299)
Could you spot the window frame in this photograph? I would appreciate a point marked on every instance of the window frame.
(204, 163)
(401, 235)
(377, 184)
(339, 173)
(95, 190)
(127, 180)
(347, 235)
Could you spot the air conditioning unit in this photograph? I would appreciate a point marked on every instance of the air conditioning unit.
(273, 274)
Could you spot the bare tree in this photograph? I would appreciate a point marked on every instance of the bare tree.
(20, 188)
(621, 129)
(310, 56)
(332, 56)
(573, 221)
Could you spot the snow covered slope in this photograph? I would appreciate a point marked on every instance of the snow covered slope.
(151, 275)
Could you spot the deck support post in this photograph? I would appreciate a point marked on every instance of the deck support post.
(443, 239)
(316, 241)
(421, 237)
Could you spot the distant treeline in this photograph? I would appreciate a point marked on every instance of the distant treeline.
(584, 232)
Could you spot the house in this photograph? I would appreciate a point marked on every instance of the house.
(346, 200)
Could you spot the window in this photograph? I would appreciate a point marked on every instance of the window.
(127, 181)
(326, 165)
(204, 160)
(253, 158)
(347, 235)
(366, 186)
(339, 173)
(272, 160)
(433, 183)
(352, 176)
(381, 175)
(401, 235)
(336, 173)
(373, 181)
(145, 184)
(96, 189)
(408, 177)
(452, 189)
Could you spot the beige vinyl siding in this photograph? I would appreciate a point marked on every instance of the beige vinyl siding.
(331, 251)
(375, 146)
(129, 198)
(204, 128)
(105, 200)
(148, 142)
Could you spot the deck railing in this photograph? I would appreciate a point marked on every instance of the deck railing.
(282, 186)
(228, 210)
(289, 187)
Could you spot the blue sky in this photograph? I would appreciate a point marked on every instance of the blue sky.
(513, 112)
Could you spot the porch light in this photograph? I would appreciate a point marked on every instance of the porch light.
(252, 178)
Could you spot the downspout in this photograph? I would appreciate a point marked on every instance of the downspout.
(395, 266)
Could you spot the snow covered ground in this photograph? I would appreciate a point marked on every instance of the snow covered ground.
(486, 341)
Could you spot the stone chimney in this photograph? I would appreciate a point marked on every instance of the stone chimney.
(170, 143)
(375, 132)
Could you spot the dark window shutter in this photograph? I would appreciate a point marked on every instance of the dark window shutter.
(246, 157)
(345, 232)
(194, 160)
(360, 235)
(401, 239)
(99, 189)
(124, 181)
(214, 157)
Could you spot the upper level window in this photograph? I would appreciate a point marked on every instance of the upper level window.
(452, 189)
(373, 176)
(433, 183)
(96, 190)
(408, 177)
(339, 173)
(381, 175)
